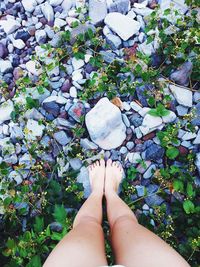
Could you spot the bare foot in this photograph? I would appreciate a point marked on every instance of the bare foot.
(113, 177)
(97, 176)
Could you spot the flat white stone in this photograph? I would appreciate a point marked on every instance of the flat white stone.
(73, 92)
(18, 43)
(105, 125)
(59, 23)
(197, 139)
(151, 121)
(183, 96)
(77, 63)
(169, 118)
(122, 25)
(34, 67)
(29, 5)
(134, 157)
(34, 130)
(143, 111)
(55, 2)
(5, 66)
(48, 12)
(135, 106)
(77, 75)
(9, 25)
(5, 111)
(188, 136)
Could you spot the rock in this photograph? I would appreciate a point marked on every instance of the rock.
(130, 145)
(121, 6)
(58, 23)
(146, 49)
(26, 161)
(183, 96)
(154, 152)
(149, 172)
(170, 117)
(83, 178)
(182, 74)
(134, 157)
(150, 124)
(123, 150)
(75, 163)
(122, 25)
(3, 51)
(107, 56)
(197, 139)
(56, 227)
(197, 162)
(14, 175)
(188, 136)
(153, 199)
(9, 25)
(33, 130)
(181, 110)
(66, 86)
(5, 66)
(97, 11)
(76, 111)
(18, 43)
(81, 29)
(41, 36)
(47, 10)
(114, 41)
(5, 111)
(52, 108)
(196, 96)
(140, 91)
(73, 92)
(140, 190)
(16, 133)
(7, 148)
(23, 35)
(34, 67)
(143, 11)
(136, 120)
(77, 75)
(55, 2)
(62, 138)
(135, 106)
(105, 125)
(30, 5)
(87, 144)
(77, 63)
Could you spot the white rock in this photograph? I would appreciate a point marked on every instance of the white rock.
(97, 10)
(29, 5)
(197, 139)
(40, 36)
(150, 123)
(34, 67)
(77, 63)
(149, 172)
(135, 106)
(9, 25)
(105, 125)
(77, 75)
(14, 175)
(66, 5)
(146, 49)
(134, 157)
(169, 118)
(47, 10)
(59, 23)
(143, 11)
(197, 161)
(124, 26)
(141, 5)
(188, 136)
(73, 92)
(34, 130)
(138, 133)
(183, 96)
(5, 111)
(18, 43)
(55, 2)
(143, 111)
(87, 58)
(5, 66)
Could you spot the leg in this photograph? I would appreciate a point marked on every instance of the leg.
(84, 244)
(133, 244)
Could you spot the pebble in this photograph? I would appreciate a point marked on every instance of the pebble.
(33, 67)
(73, 92)
(105, 125)
(154, 152)
(114, 41)
(188, 136)
(77, 63)
(134, 157)
(3, 51)
(6, 109)
(75, 163)
(5, 66)
(171, 117)
(149, 172)
(18, 43)
(183, 96)
(181, 110)
(14, 175)
(62, 138)
(121, 6)
(76, 111)
(197, 162)
(34, 130)
(122, 25)
(197, 139)
(140, 190)
(83, 178)
(97, 11)
(40, 36)
(130, 145)
(48, 12)
(9, 25)
(181, 76)
(87, 144)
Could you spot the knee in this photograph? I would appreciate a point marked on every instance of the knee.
(87, 221)
(124, 221)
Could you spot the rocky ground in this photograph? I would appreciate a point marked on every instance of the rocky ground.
(48, 115)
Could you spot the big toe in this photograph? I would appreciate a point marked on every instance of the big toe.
(102, 163)
(109, 163)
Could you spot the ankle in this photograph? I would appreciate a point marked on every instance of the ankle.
(110, 193)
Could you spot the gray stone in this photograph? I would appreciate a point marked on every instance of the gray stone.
(154, 152)
(83, 178)
(97, 10)
(153, 199)
(5, 111)
(87, 144)
(182, 74)
(81, 29)
(40, 36)
(26, 161)
(183, 96)
(134, 157)
(123, 150)
(105, 125)
(75, 163)
(16, 133)
(5, 66)
(122, 25)
(114, 41)
(56, 227)
(149, 172)
(9, 25)
(34, 130)
(52, 107)
(181, 110)
(140, 190)
(3, 51)
(76, 111)
(126, 120)
(48, 12)
(121, 6)
(197, 139)
(14, 175)
(30, 5)
(130, 145)
(62, 138)
(196, 97)
(197, 162)
(108, 57)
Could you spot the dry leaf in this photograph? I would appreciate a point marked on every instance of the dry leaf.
(117, 102)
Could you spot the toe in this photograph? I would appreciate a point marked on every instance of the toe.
(115, 164)
(109, 162)
(102, 162)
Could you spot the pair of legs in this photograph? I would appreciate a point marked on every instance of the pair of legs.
(133, 244)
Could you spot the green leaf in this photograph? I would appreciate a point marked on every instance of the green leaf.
(172, 152)
(188, 206)
(39, 224)
(60, 214)
(10, 243)
(35, 262)
(178, 185)
(189, 190)
(31, 103)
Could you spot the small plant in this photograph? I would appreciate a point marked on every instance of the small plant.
(160, 110)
